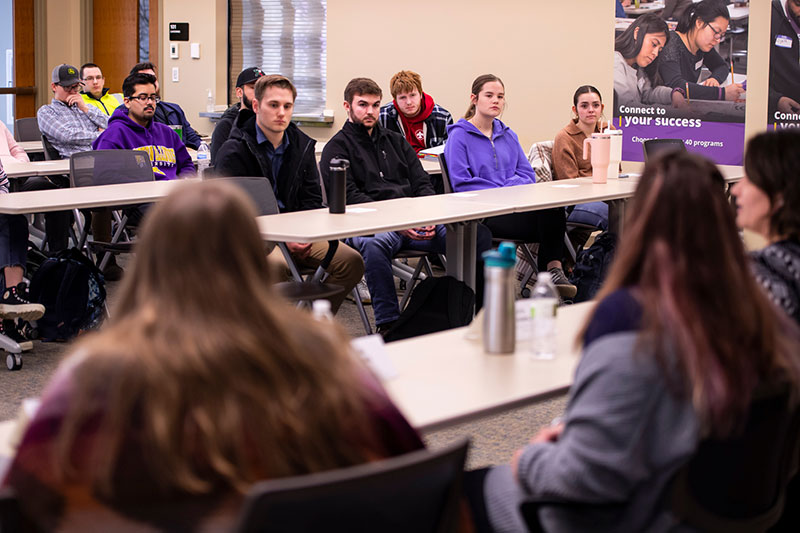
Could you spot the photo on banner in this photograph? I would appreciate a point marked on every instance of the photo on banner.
(684, 79)
(784, 65)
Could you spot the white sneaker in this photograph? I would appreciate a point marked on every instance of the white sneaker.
(363, 292)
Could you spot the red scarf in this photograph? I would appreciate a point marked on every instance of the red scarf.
(413, 126)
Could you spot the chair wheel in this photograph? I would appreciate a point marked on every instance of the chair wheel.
(14, 361)
(525, 292)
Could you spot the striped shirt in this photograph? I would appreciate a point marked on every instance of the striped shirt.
(3, 180)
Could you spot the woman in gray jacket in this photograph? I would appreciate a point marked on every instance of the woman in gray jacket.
(680, 338)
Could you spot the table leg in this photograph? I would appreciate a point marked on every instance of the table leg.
(616, 216)
(461, 251)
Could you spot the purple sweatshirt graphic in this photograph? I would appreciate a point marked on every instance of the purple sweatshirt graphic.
(475, 162)
(167, 153)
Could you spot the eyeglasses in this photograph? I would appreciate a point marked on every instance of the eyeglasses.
(144, 98)
(93, 78)
(71, 87)
(717, 34)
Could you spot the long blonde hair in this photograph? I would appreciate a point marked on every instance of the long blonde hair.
(219, 382)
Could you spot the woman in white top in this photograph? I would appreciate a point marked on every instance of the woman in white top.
(636, 64)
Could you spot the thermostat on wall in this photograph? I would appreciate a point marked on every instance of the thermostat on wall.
(173, 50)
(195, 50)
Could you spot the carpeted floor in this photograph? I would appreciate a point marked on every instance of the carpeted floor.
(494, 438)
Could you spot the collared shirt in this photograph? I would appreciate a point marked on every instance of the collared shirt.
(275, 156)
(69, 129)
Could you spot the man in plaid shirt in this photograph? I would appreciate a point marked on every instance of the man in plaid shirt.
(413, 114)
(69, 123)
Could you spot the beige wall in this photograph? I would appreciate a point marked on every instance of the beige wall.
(64, 41)
(208, 25)
(542, 50)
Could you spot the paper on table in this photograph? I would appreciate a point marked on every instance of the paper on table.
(360, 209)
(373, 352)
(465, 194)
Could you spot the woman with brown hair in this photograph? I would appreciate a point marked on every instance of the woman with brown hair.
(202, 383)
(768, 203)
(679, 341)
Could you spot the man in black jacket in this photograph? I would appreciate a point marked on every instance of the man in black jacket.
(245, 90)
(268, 144)
(784, 60)
(384, 166)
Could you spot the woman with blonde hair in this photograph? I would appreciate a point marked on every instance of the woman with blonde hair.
(202, 383)
(677, 348)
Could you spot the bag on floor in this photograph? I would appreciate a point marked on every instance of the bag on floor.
(72, 290)
(436, 304)
(591, 266)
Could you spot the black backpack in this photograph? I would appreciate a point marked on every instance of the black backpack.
(436, 304)
(72, 290)
(591, 266)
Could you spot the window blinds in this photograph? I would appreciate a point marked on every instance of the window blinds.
(282, 37)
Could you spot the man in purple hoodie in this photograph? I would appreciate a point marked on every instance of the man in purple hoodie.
(131, 127)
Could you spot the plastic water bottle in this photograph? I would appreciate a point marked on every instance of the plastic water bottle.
(210, 103)
(203, 158)
(544, 302)
(321, 310)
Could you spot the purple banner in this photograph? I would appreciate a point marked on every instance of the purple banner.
(722, 142)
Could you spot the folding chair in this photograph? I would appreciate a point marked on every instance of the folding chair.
(418, 491)
(300, 290)
(27, 129)
(108, 167)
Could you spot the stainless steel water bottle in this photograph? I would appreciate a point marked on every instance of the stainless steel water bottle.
(499, 327)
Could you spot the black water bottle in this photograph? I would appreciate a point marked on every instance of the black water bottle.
(337, 189)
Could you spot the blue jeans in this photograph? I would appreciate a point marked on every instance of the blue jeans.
(593, 213)
(378, 252)
(13, 240)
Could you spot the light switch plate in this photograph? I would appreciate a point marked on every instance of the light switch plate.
(173, 50)
(195, 50)
(175, 74)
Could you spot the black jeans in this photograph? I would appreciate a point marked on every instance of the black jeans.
(546, 226)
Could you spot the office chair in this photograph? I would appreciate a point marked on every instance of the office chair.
(27, 129)
(653, 147)
(50, 153)
(419, 491)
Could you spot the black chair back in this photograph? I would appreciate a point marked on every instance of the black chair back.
(448, 187)
(108, 167)
(259, 189)
(10, 514)
(653, 147)
(418, 492)
(27, 129)
(742, 479)
(50, 152)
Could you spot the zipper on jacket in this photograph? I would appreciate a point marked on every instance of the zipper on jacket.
(495, 154)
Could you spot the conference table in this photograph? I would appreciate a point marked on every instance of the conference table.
(446, 378)
(460, 211)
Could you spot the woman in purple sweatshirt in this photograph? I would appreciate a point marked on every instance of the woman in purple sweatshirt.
(483, 153)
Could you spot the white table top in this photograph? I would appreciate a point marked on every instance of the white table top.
(444, 378)
(85, 197)
(16, 169)
(374, 217)
(31, 147)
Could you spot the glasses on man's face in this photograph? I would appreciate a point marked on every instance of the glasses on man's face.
(92, 78)
(70, 88)
(144, 98)
(717, 34)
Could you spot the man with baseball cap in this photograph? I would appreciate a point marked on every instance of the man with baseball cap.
(245, 86)
(68, 122)
(70, 125)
